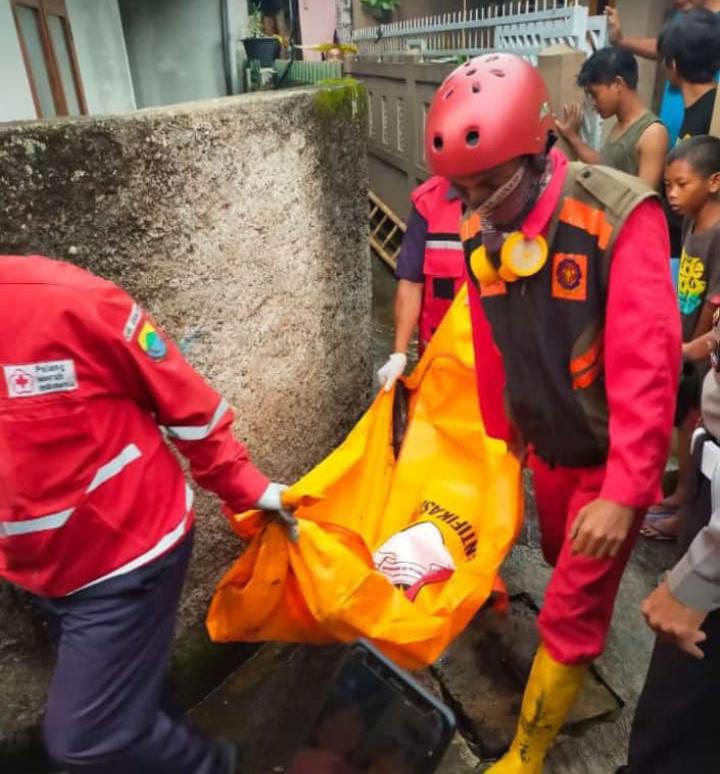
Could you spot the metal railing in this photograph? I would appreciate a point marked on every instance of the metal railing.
(522, 26)
(309, 72)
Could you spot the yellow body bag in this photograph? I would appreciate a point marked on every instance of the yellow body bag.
(436, 510)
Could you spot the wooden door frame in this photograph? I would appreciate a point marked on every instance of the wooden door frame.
(44, 9)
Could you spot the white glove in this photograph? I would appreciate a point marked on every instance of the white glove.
(271, 500)
(392, 370)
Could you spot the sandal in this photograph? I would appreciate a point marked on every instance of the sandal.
(660, 527)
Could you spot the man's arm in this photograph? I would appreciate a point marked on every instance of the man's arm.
(642, 366)
(149, 368)
(652, 150)
(644, 47)
(695, 579)
(642, 358)
(408, 302)
(677, 609)
(408, 299)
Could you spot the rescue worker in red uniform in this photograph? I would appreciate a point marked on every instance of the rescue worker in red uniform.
(430, 271)
(96, 518)
(568, 280)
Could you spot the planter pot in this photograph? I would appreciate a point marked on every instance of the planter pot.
(265, 50)
(381, 15)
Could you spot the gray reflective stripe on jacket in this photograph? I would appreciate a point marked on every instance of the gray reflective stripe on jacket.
(444, 244)
(199, 432)
(57, 520)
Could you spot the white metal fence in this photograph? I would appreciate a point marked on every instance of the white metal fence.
(524, 27)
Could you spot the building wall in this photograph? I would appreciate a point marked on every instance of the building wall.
(175, 50)
(644, 19)
(242, 224)
(317, 23)
(102, 57)
(16, 102)
(410, 9)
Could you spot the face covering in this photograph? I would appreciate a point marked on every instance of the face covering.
(506, 209)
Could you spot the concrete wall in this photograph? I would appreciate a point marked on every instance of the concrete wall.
(102, 57)
(644, 19)
(175, 50)
(16, 102)
(242, 224)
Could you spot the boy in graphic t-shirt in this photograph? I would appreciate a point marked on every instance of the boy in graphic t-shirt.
(692, 180)
(689, 46)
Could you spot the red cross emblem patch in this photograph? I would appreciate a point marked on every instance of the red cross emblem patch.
(21, 382)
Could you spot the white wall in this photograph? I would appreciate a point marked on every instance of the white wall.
(175, 50)
(100, 46)
(16, 102)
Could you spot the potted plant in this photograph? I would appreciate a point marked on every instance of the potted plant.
(380, 10)
(259, 46)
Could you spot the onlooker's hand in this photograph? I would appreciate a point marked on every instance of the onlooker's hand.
(675, 622)
(614, 28)
(571, 122)
(600, 528)
(392, 370)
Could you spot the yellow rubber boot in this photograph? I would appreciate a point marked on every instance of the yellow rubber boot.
(550, 693)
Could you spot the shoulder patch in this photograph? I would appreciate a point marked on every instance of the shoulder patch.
(151, 342)
(132, 322)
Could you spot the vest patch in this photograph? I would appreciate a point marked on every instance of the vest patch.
(569, 277)
(31, 379)
(498, 288)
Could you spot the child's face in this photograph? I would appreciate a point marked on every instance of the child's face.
(605, 97)
(687, 190)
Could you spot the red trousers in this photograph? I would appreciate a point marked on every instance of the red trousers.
(580, 596)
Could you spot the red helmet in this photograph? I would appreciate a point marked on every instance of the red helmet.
(489, 110)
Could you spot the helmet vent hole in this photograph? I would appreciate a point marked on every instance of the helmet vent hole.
(476, 88)
(470, 73)
(472, 138)
(438, 142)
(467, 63)
(498, 73)
(492, 58)
(449, 94)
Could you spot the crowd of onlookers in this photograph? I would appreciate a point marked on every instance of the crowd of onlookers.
(638, 144)
(674, 728)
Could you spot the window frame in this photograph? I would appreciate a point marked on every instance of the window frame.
(46, 8)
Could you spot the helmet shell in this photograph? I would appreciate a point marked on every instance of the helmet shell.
(491, 109)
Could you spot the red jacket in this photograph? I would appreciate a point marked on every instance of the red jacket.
(89, 386)
(444, 263)
(641, 352)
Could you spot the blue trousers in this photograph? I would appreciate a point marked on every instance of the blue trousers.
(104, 710)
